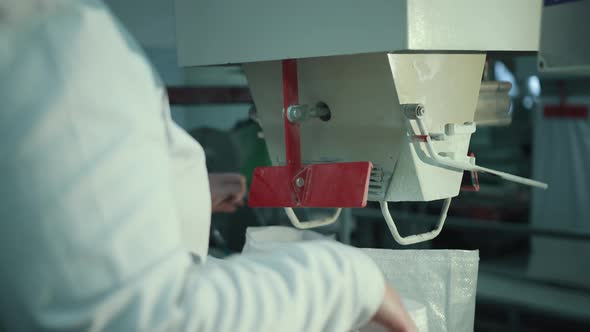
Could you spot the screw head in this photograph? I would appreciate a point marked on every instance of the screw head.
(299, 182)
(420, 110)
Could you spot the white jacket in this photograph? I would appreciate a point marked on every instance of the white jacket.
(99, 188)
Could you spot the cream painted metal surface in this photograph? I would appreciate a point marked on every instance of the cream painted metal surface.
(237, 31)
(447, 85)
(364, 93)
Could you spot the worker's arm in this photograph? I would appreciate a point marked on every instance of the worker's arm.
(90, 234)
(227, 191)
(322, 286)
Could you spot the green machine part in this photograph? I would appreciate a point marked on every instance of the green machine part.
(252, 148)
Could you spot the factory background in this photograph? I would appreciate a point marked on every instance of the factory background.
(534, 246)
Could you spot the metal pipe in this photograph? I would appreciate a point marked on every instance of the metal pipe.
(493, 104)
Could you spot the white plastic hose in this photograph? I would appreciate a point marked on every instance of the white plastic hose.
(311, 223)
(412, 239)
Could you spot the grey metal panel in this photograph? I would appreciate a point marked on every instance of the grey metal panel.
(236, 31)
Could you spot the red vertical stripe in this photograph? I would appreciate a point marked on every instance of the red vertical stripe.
(291, 97)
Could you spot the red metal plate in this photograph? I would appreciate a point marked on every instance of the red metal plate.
(324, 185)
(470, 181)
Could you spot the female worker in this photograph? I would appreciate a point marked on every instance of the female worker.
(100, 189)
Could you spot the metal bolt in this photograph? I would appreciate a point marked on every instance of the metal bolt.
(300, 113)
(299, 182)
(295, 113)
(413, 111)
(420, 110)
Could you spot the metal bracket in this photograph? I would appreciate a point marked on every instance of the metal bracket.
(300, 113)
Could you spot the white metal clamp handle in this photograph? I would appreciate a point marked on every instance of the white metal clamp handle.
(412, 239)
(311, 223)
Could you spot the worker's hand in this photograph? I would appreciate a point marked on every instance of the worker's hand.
(227, 191)
(392, 315)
